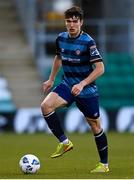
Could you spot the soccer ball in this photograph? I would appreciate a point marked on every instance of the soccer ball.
(29, 164)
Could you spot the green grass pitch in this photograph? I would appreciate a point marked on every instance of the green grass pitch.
(75, 164)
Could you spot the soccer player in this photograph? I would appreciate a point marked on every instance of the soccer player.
(82, 64)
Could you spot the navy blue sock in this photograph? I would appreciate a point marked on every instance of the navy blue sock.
(54, 125)
(102, 146)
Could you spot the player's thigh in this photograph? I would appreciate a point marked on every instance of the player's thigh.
(53, 100)
(65, 93)
(89, 107)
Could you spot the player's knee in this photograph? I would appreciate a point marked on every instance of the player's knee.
(95, 124)
(46, 107)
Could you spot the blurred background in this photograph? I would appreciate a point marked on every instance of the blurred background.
(28, 29)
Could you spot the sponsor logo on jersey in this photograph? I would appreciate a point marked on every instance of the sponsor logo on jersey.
(70, 59)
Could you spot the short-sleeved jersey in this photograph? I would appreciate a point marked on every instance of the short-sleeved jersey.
(78, 56)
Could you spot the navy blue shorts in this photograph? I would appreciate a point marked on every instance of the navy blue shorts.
(89, 106)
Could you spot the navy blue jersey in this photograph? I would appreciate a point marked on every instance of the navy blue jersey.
(78, 55)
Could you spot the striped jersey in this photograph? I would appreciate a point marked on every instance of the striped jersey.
(78, 56)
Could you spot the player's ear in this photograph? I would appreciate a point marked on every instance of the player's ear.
(81, 22)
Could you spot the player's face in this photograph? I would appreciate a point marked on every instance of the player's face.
(73, 26)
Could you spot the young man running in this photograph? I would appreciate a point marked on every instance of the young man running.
(82, 64)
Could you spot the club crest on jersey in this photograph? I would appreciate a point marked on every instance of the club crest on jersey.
(77, 52)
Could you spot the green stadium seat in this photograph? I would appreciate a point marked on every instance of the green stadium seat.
(6, 100)
(7, 106)
(116, 86)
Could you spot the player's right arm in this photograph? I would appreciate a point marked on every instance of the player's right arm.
(47, 85)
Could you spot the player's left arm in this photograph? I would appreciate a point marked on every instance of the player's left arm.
(97, 62)
(98, 70)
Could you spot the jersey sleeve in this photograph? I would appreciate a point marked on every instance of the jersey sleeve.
(93, 52)
(57, 47)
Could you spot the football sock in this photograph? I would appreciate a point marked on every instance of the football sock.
(54, 125)
(65, 141)
(102, 146)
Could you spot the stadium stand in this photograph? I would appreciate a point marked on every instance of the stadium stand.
(16, 60)
(6, 99)
(116, 86)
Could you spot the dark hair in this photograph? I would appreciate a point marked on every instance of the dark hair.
(74, 11)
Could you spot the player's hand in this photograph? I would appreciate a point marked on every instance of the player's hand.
(77, 88)
(47, 85)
